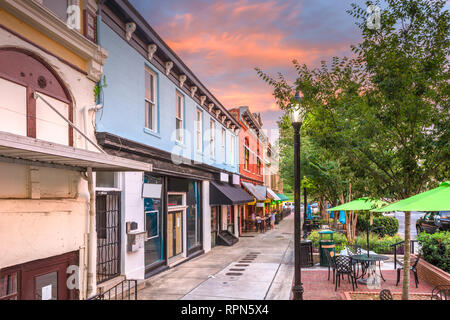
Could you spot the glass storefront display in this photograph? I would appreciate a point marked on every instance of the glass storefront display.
(230, 219)
(214, 225)
(153, 224)
(193, 215)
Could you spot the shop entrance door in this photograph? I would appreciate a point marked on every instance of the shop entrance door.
(175, 233)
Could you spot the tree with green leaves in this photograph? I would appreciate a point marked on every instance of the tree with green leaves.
(385, 112)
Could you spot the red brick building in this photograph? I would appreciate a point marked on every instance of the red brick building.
(251, 162)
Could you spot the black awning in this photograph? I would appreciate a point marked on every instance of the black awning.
(226, 194)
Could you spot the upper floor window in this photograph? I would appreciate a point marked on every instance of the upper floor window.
(258, 166)
(179, 117)
(20, 113)
(75, 13)
(211, 138)
(246, 154)
(151, 111)
(58, 7)
(223, 144)
(232, 150)
(199, 130)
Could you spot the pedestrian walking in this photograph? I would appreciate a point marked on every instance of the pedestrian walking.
(272, 219)
(254, 221)
(258, 224)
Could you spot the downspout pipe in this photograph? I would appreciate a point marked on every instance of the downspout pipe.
(86, 110)
(92, 239)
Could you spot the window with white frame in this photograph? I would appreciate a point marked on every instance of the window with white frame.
(211, 138)
(151, 111)
(179, 117)
(232, 151)
(223, 144)
(199, 130)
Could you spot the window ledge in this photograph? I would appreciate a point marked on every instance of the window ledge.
(153, 133)
(180, 144)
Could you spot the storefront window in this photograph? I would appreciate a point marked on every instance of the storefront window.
(175, 200)
(214, 225)
(193, 215)
(8, 286)
(153, 225)
(230, 220)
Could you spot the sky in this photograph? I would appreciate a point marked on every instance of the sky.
(223, 41)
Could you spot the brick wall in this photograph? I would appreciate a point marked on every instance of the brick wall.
(431, 274)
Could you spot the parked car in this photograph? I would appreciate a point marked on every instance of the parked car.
(291, 206)
(315, 208)
(434, 221)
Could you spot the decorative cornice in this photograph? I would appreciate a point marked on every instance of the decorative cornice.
(202, 100)
(92, 6)
(228, 123)
(151, 48)
(130, 28)
(217, 113)
(210, 107)
(95, 66)
(169, 66)
(193, 91)
(223, 118)
(182, 79)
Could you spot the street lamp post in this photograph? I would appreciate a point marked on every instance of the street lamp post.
(296, 117)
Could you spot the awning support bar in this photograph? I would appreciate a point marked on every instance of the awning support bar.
(37, 95)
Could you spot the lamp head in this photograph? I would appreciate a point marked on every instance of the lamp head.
(298, 112)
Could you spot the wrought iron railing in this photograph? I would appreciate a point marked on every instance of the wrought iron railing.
(401, 244)
(125, 290)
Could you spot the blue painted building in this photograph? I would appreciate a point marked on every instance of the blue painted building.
(154, 109)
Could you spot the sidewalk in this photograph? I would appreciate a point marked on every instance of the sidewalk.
(259, 266)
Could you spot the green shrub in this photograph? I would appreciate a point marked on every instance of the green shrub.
(436, 249)
(339, 240)
(380, 245)
(390, 224)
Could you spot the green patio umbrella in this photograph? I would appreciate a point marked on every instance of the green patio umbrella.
(437, 199)
(361, 204)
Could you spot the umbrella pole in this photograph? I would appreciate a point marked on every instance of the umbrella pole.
(368, 248)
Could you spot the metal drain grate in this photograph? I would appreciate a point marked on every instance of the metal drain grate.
(235, 269)
(233, 274)
(241, 265)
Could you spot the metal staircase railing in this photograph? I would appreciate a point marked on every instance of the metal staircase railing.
(125, 290)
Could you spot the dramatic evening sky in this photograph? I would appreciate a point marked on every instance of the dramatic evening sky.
(223, 41)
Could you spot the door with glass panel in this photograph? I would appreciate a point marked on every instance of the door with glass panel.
(175, 224)
(175, 233)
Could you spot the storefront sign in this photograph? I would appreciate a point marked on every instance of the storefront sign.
(223, 177)
(151, 190)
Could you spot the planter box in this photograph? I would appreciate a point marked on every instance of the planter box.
(367, 295)
(431, 274)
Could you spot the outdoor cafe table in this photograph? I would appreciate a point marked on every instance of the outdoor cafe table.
(366, 265)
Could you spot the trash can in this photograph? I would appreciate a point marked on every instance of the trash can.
(306, 257)
(325, 244)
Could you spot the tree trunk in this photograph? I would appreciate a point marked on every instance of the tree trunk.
(348, 226)
(406, 263)
(355, 219)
